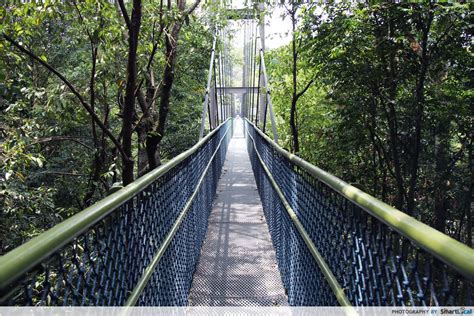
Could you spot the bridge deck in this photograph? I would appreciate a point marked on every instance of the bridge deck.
(237, 266)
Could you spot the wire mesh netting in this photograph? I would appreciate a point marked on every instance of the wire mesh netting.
(374, 264)
(102, 265)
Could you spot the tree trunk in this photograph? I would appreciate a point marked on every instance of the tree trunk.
(419, 107)
(97, 162)
(388, 100)
(294, 98)
(393, 132)
(129, 104)
(153, 141)
(441, 177)
(469, 204)
(294, 128)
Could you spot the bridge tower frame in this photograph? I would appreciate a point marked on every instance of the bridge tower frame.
(255, 91)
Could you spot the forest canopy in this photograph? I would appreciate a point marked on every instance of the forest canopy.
(96, 93)
(93, 94)
(381, 96)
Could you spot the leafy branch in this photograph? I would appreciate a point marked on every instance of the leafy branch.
(74, 91)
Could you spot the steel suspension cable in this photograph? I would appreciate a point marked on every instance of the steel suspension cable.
(206, 107)
(216, 117)
(250, 70)
(254, 63)
(247, 67)
(221, 71)
(226, 114)
(268, 98)
(258, 91)
(221, 87)
(244, 70)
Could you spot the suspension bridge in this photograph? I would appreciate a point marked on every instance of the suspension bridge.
(237, 220)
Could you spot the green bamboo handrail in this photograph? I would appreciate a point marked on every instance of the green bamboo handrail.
(450, 251)
(329, 276)
(140, 286)
(26, 256)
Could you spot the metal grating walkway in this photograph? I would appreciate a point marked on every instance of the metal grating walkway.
(237, 265)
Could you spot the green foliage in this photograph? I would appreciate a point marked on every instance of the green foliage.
(53, 160)
(315, 116)
(186, 107)
(391, 108)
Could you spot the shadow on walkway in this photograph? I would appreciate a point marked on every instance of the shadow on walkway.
(237, 266)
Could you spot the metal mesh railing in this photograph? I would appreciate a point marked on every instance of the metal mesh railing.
(102, 264)
(374, 264)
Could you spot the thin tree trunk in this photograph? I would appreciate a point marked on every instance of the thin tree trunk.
(97, 162)
(129, 104)
(294, 97)
(442, 177)
(153, 141)
(419, 106)
(390, 84)
(469, 203)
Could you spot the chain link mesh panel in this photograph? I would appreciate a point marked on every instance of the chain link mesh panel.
(102, 265)
(375, 265)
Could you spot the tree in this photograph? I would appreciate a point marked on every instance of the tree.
(62, 96)
(128, 112)
(394, 80)
(296, 95)
(172, 32)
